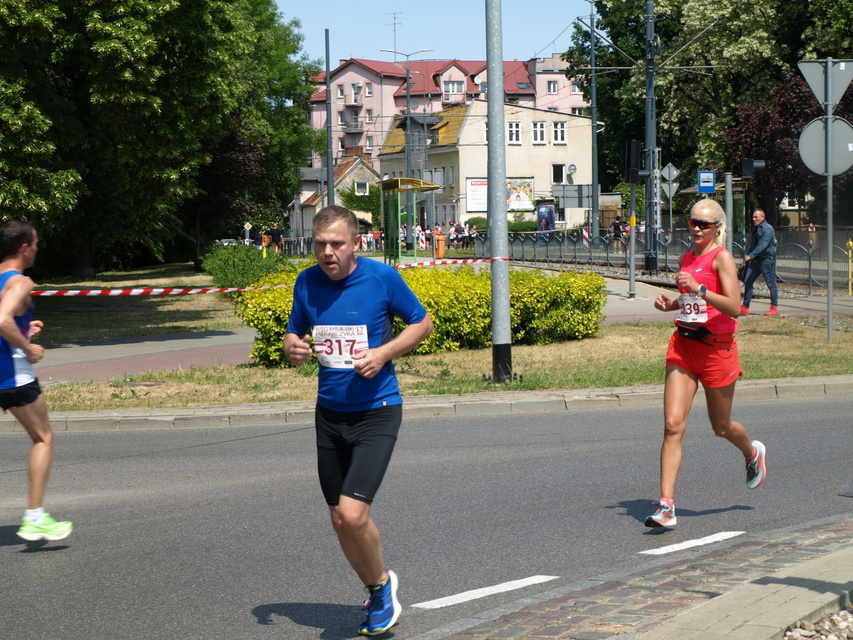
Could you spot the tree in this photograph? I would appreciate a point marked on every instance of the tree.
(129, 100)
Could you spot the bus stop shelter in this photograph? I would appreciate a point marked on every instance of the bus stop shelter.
(394, 194)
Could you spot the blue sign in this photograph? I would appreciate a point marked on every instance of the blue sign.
(707, 182)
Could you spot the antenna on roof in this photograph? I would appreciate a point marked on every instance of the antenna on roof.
(394, 24)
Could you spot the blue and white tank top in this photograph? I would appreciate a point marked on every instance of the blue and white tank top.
(15, 369)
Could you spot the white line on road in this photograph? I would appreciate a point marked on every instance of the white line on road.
(482, 593)
(717, 537)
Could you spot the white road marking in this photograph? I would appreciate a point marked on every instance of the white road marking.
(482, 593)
(717, 537)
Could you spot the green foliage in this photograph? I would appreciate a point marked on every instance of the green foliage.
(624, 189)
(110, 108)
(268, 312)
(371, 203)
(522, 226)
(241, 266)
(481, 222)
(543, 309)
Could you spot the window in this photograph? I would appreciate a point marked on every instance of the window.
(484, 87)
(369, 142)
(552, 86)
(340, 91)
(361, 188)
(342, 145)
(576, 87)
(451, 176)
(538, 133)
(558, 173)
(524, 86)
(368, 89)
(513, 132)
(577, 111)
(438, 176)
(369, 115)
(559, 134)
(356, 88)
(452, 90)
(486, 131)
(342, 117)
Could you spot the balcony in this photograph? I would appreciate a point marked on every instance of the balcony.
(353, 126)
(353, 100)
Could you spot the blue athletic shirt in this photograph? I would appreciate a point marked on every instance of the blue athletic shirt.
(369, 297)
(15, 369)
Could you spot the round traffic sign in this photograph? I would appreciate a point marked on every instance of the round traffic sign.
(813, 145)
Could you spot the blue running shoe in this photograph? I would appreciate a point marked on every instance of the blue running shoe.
(383, 609)
(756, 470)
(663, 516)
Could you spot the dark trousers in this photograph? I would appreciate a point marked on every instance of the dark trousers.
(765, 267)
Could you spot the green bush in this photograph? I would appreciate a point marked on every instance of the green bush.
(543, 309)
(241, 266)
(522, 225)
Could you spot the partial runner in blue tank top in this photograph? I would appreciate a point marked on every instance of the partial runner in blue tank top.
(15, 369)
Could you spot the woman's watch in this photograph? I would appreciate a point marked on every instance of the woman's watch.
(703, 291)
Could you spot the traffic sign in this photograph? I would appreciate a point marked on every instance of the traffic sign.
(247, 226)
(669, 173)
(573, 196)
(813, 145)
(670, 189)
(841, 74)
(707, 182)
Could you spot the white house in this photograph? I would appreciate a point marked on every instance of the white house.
(544, 148)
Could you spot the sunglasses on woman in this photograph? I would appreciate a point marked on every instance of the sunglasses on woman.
(701, 224)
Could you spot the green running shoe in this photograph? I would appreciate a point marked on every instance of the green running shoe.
(45, 529)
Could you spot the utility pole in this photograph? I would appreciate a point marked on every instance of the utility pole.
(652, 182)
(330, 166)
(498, 240)
(410, 196)
(595, 204)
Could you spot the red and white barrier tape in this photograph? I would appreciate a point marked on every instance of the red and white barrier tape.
(179, 292)
(148, 292)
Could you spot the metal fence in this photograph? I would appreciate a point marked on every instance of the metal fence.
(801, 256)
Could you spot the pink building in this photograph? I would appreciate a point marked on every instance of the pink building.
(367, 94)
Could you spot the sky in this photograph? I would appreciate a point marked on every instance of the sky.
(451, 28)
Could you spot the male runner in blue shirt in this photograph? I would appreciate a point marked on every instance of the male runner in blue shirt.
(19, 389)
(348, 304)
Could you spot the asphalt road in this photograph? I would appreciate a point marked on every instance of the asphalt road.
(223, 534)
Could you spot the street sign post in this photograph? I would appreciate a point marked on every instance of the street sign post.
(828, 80)
(707, 182)
(573, 196)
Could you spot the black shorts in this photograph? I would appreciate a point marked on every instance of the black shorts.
(20, 396)
(354, 449)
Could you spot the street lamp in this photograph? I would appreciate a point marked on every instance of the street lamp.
(409, 194)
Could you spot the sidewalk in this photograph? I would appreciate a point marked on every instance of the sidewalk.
(752, 588)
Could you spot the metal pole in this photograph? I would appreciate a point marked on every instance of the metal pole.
(829, 266)
(595, 205)
(632, 219)
(410, 193)
(651, 143)
(498, 240)
(330, 169)
(729, 213)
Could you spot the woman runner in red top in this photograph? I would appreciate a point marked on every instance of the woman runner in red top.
(703, 349)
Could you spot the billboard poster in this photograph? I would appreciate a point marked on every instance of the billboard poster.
(477, 198)
(519, 194)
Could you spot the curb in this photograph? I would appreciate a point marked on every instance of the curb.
(483, 403)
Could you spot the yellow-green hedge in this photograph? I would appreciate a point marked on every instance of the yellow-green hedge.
(543, 309)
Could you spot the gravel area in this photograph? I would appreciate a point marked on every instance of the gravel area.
(836, 626)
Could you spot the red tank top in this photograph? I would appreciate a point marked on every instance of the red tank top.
(702, 269)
